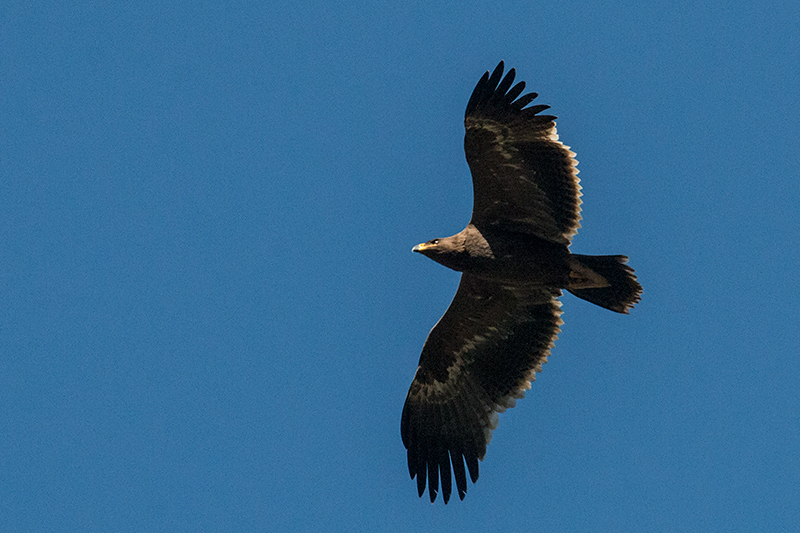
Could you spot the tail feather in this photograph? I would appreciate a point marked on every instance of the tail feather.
(622, 292)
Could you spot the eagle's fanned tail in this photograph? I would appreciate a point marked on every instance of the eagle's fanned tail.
(623, 290)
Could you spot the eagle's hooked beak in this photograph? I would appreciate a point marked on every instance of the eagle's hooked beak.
(419, 248)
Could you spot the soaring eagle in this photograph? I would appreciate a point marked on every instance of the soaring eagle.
(514, 261)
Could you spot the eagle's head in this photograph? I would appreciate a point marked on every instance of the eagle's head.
(447, 251)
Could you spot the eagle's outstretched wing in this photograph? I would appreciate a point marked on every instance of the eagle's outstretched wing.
(523, 178)
(478, 359)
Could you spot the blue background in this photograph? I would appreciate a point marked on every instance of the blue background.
(210, 313)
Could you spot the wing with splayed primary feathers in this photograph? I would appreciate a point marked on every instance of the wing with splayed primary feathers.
(478, 359)
(523, 178)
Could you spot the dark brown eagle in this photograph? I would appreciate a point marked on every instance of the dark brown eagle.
(514, 258)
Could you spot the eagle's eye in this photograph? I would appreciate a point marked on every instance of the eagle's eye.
(435, 241)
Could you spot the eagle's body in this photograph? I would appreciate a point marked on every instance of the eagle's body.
(514, 258)
(497, 255)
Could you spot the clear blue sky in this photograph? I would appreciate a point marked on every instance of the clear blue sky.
(210, 309)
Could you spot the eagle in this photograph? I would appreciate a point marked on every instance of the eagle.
(514, 259)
